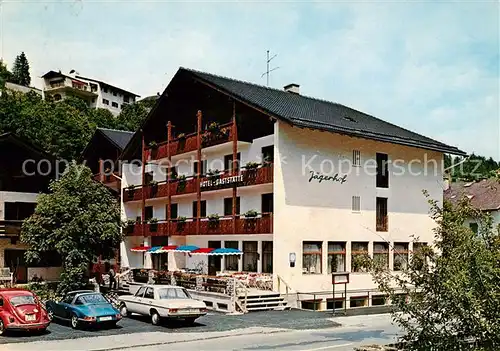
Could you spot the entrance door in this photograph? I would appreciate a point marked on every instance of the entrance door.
(214, 262)
(14, 259)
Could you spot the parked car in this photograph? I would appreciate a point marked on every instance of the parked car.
(21, 310)
(84, 307)
(163, 302)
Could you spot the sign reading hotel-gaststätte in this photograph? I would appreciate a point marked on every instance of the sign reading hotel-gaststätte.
(221, 181)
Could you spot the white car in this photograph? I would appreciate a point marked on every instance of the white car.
(162, 302)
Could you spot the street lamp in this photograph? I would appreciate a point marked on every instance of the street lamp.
(340, 278)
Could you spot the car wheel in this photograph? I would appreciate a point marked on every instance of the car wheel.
(50, 313)
(2, 327)
(155, 317)
(74, 321)
(123, 310)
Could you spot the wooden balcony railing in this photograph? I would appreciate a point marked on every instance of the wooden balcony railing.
(107, 178)
(382, 224)
(10, 227)
(263, 224)
(189, 143)
(262, 175)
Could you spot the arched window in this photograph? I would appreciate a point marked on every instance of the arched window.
(57, 97)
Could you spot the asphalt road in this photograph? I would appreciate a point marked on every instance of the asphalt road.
(305, 331)
(292, 319)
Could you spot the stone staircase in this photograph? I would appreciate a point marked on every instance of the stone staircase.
(262, 300)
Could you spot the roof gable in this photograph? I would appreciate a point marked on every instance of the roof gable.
(118, 137)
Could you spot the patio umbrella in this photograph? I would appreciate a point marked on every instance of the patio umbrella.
(168, 248)
(154, 249)
(202, 251)
(223, 251)
(140, 248)
(186, 248)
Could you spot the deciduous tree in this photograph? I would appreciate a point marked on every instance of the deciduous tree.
(453, 288)
(80, 219)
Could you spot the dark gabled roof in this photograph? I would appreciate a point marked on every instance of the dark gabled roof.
(304, 111)
(118, 137)
(12, 138)
(483, 194)
(109, 85)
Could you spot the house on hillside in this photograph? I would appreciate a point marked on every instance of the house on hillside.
(301, 186)
(96, 93)
(483, 194)
(25, 173)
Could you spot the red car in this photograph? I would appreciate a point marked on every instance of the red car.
(21, 310)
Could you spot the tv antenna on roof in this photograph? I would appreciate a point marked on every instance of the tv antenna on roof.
(266, 73)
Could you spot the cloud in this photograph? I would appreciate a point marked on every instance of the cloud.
(429, 67)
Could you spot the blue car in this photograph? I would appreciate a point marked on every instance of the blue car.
(84, 307)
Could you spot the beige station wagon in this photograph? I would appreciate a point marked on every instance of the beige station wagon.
(162, 302)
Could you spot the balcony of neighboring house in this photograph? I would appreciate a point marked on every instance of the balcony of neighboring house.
(10, 228)
(215, 134)
(252, 174)
(111, 180)
(71, 87)
(256, 223)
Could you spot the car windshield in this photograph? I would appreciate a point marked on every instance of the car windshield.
(90, 298)
(22, 300)
(173, 293)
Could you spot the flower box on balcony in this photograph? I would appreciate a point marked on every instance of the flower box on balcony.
(153, 225)
(129, 229)
(154, 187)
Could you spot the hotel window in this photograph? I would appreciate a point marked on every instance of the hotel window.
(250, 256)
(114, 93)
(105, 101)
(336, 257)
(268, 154)
(382, 171)
(174, 211)
(126, 98)
(203, 209)
(356, 158)
(474, 227)
(358, 301)
(231, 261)
(359, 252)
(148, 213)
(400, 256)
(267, 256)
(418, 257)
(267, 203)
(105, 89)
(114, 104)
(382, 223)
(228, 206)
(356, 204)
(381, 254)
(228, 162)
(311, 257)
(173, 172)
(203, 167)
(148, 177)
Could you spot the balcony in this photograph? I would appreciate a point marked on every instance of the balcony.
(110, 180)
(10, 227)
(188, 143)
(246, 177)
(74, 86)
(263, 224)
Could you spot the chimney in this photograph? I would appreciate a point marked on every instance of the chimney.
(292, 88)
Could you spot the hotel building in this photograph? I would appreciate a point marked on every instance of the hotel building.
(300, 185)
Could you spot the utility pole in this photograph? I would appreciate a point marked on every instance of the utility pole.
(268, 70)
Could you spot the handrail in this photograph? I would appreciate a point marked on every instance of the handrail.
(280, 279)
(239, 284)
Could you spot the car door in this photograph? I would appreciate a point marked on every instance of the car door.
(135, 302)
(63, 308)
(147, 300)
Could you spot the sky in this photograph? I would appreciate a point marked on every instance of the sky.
(431, 67)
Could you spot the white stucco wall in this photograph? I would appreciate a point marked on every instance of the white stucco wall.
(312, 211)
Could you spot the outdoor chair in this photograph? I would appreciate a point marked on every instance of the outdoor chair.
(6, 277)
